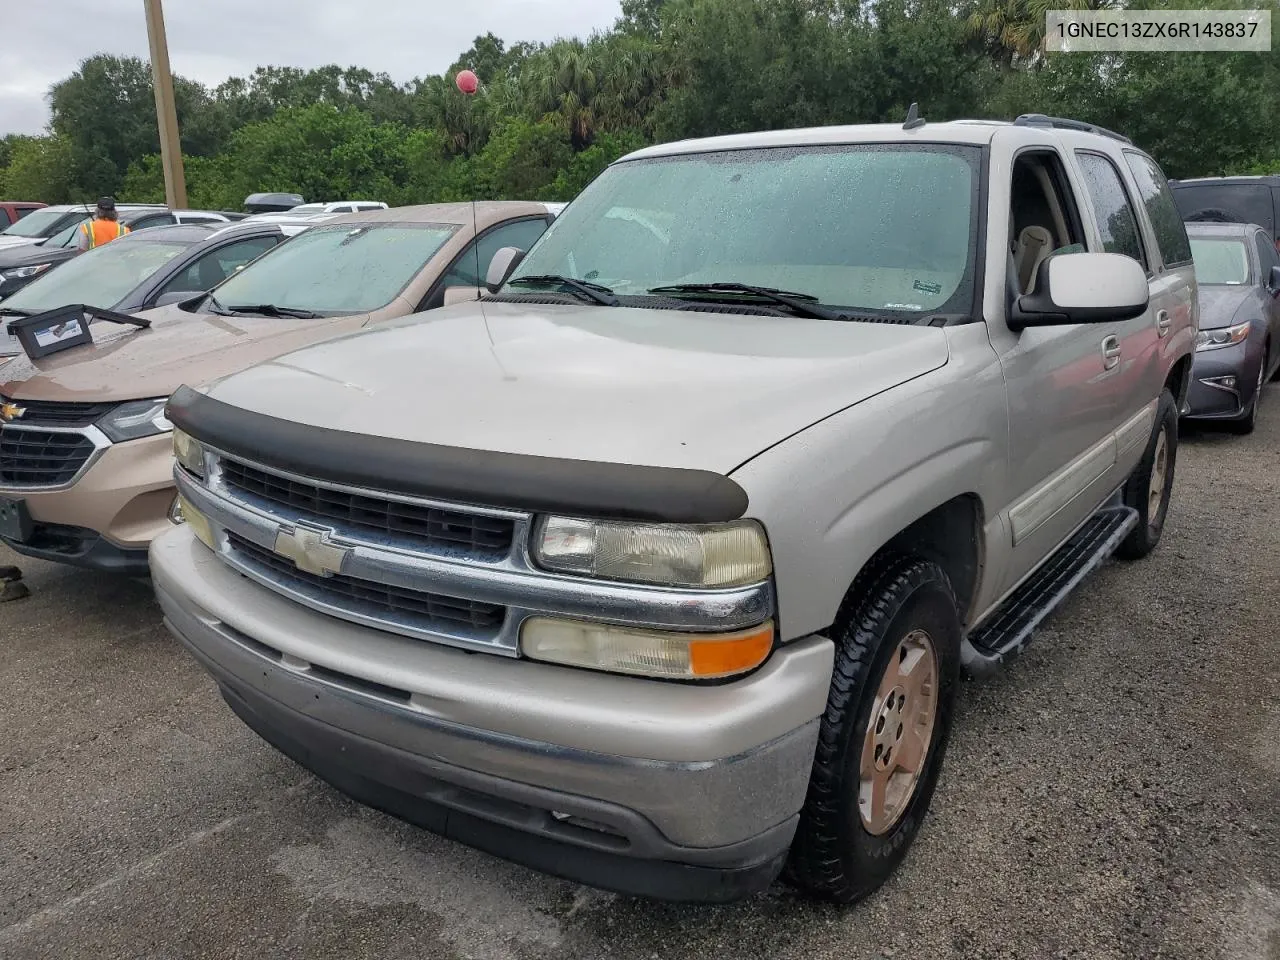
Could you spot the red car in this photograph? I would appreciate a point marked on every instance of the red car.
(11, 211)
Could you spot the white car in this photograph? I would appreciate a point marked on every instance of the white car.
(310, 209)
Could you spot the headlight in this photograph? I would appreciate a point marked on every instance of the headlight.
(1224, 337)
(647, 653)
(197, 521)
(188, 452)
(136, 419)
(21, 273)
(713, 555)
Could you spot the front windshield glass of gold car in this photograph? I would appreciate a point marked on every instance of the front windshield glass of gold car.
(337, 268)
(875, 227)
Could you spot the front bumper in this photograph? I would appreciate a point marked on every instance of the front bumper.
(108, 517)
(666, 790)
(1208, 401)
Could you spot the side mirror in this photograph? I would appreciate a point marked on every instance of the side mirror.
(1082, 288)
(460, 294)
(501, 267)
(175, 296)
(1274, 280)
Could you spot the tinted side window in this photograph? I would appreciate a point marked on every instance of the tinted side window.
(163, 219)
(520, 234)
(216, 265)
(1166, 222)
(5, 219)
(1232, 202)
(1267, 257)
(23, 211)
(1111, 207)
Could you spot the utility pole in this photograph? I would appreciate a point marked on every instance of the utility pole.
(175, 183)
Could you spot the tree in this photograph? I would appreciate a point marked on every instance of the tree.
(40, 169)
(521, 159)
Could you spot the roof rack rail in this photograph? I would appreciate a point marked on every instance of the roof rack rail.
(1040, 120)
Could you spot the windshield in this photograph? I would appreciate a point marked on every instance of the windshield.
(99, 277)
(338, 269)
(878, 228)
(1220, 261)
(36, 224)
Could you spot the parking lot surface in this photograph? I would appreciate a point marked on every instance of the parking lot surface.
(1114, 793)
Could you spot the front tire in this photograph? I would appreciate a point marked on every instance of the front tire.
(1149, 486)
(884, 732)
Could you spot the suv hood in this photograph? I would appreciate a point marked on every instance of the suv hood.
(125, 363)
(613, 384)
(10, 242)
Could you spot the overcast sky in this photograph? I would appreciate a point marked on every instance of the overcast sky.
(210, 40)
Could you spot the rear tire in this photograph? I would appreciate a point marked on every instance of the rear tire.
(878, 760)
(1149, 486)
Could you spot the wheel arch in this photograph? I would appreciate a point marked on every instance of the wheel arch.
(952, 536)
(1179, 380)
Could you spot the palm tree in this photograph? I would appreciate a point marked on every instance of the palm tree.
(1014, 30)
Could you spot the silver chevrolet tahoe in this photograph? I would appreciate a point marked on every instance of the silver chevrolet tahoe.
(657, 567)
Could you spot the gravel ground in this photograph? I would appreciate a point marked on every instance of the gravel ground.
(1113, 794)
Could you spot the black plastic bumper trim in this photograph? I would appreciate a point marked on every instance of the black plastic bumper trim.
(519, 481)
(99, 554)
(386, 779)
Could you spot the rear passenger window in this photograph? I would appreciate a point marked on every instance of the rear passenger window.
(1166, 221)
(1111, 207)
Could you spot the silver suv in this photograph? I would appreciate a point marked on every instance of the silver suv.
(657, 567)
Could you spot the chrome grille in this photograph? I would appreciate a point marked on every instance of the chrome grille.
(414, 608)
(41, 458)
(479, 535)
(49, 413)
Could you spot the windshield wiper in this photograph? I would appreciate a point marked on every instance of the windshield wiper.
(804, 304)
(10, 312)
(593, 291)
(271, 310)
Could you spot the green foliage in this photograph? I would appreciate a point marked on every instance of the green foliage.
(39, 168)
(549, 117)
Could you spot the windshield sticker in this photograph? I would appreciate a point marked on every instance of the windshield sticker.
(927, 287)
(903, 306)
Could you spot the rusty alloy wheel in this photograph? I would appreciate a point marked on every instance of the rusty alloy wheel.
(1159, 473)
(896, 746)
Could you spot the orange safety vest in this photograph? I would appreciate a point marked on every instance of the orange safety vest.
(103, 231)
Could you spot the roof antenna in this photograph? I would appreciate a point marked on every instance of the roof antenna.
(468, 83)
(914, 119)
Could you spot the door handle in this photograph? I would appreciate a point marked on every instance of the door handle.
(1110, 352)
(1163, 323)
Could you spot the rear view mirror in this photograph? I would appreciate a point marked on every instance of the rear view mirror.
(460, 294)
(1082, 288)
(175, 296)
(501, 267)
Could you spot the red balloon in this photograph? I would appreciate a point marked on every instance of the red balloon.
(467, 82)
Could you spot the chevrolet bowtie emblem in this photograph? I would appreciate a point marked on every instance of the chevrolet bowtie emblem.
(11, 411)
(311, 551)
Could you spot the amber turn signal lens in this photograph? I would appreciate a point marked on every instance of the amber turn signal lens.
(734, 653)
(646, 653)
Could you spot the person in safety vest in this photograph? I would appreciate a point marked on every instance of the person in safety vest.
(103, 228)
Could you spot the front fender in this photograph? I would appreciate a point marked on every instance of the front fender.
(832, 495)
